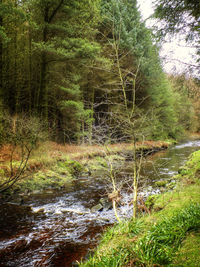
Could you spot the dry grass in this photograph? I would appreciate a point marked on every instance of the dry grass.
(78, 152)
(194, 135)
(48, 153)
(51, 151)
(5, 153)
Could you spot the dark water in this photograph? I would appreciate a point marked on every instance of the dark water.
(60, 228)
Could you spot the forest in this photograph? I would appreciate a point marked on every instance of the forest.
(99, 144)
(84, 68)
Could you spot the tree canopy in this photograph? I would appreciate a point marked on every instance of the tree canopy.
(180, 16)
(78, 64)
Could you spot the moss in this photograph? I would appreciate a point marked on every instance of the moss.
(162, 183)
(102, 163)
(75, 167)
(192, 167)
(42, 181)
(59, 176)
(71, 166)
(168, 202)
(150, 201)
(183, 170)
(98, 163)
(2, 172)
(188, 254)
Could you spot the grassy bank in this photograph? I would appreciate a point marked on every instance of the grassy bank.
(169, 236)
(54, 166)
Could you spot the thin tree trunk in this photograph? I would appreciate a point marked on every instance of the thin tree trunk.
(17, 89)
(91, 123)
(30, 71)
(41, 102)
(1, 72)
(43, 89)
(135, 181)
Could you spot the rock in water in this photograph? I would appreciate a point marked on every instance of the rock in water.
(107, 205)
(97, 207)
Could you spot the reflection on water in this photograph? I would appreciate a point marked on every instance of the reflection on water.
(61, 227)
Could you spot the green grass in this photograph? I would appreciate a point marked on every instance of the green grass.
(119, 251)
(192, 168)
(189, 253)
(145, 245)
(159, 244)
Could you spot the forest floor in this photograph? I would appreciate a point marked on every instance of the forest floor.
(54, 166)
(168, 236)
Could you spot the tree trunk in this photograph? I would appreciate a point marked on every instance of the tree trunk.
(1, 69)
(30, 71)
(42, 95)
(91, 123)
(1, 81)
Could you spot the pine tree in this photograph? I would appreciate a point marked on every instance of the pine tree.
(137, 84)
(65, 46)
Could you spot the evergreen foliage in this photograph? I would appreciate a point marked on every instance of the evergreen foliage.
(180, 16)
(137, 80)
(80, 64)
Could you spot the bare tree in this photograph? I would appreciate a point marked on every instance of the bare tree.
(22, 135)
(124, 121)
(105, 137)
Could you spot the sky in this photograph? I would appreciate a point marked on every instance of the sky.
(173, 52)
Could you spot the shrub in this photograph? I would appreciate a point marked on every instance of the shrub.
(23, 135)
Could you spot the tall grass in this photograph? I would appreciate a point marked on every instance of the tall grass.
(133, 246)
(120, 252)
(161, 242)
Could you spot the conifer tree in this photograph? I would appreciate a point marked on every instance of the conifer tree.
(65, 45)
(137, 75)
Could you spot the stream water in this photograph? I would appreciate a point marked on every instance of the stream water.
(60, 228)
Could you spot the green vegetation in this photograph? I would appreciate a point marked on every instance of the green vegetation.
(162, 183)
(187, 101)
(162, 237)
(23, 135)
(193, 166)
(79, 66)
(81, 70)
(188, 254)
(88, 73)
(53, 168)
(58, 176)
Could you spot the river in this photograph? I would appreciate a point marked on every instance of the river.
(60, 228)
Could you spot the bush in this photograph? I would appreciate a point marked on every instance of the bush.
(23, 134)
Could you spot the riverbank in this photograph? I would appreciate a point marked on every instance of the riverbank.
(61, 227)
(54, 167)
(169, 236)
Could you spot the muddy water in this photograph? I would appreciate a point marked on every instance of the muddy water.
(60, 227)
